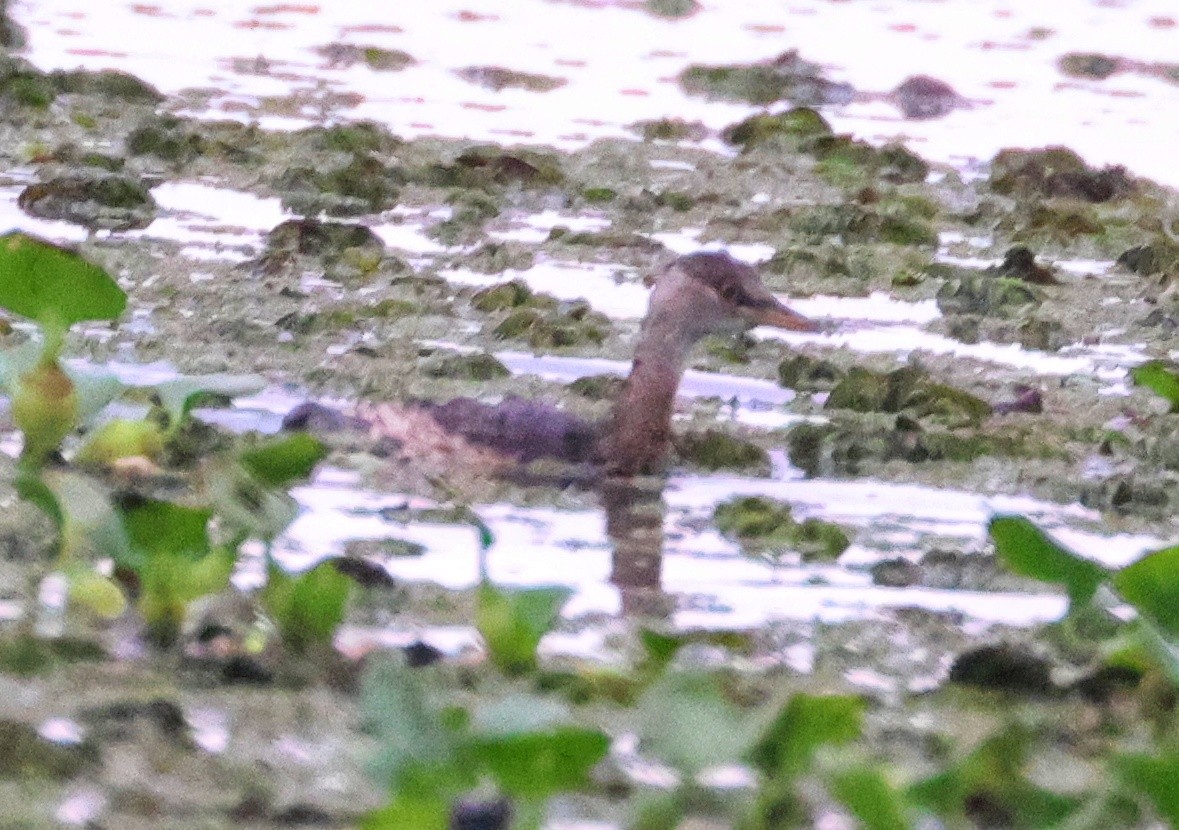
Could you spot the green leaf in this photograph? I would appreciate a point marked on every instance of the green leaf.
(168, 547)
(80, 506)
(121, 438)
(1029, 551)
(660, 649)
(31, 486)
(94, 390)
(518, 713)
(281, 462)
(1160, 377)
(994, 772)
(685, 720)
(86, 518)
(96, 593)
(513, 621)
(869, 797)
(161, 528)
(1156, 778)
(246, 504)
(656, 810)
(408, 727)
(1145, 646)
(180, 396)
(309, 607)
(208, 575)
(804, 724)
(410, 813)
(1151, 585)
(54, 285)
(537, 765)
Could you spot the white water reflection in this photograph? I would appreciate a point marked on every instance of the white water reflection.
(877, 323)
(695, 384)
(714, 583)
(535, 228)
(620, 65)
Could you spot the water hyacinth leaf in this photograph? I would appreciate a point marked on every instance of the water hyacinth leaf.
(513, 621)
(660, 649)
(869, 797)
(517, 714)
(541, 764)
(656, 810)
(307, 607)
(408, 727)
(282, 462)
(96, 593)
(44, 407)
(82, 509)
(121, 438)
(161, 528)
(410, 813)
(1159, 377)
(54, 285)
(180, 396)
(804, 724)
(530, 748)
(996, 772)
(1151, 585)
(1028, 551)
(1147, 646)
(246, 504)
(686, 721)
(1155, 778)
(94, 391)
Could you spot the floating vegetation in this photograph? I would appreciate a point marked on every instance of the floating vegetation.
(788, 77)
(762, 524)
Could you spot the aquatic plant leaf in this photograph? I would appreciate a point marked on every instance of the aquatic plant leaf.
(94, 390)
(53, 285)
(32, 488)
(82, 509)
(869, 797)
(121, 438)
(98, 594)
(181, 395)
(1156, 778)
(1146, 646)
(282, 462)
(307, 607)
(529, 747)
(517, 714)
(410, 730)
(656, 810)
(1151, 585)
(805, 723)
(660, 649)
(685, 720)
(994, 775)
(1159, 377)
(44, 407)
(410, 813)
(168, 548)
(1029, 551)
(513, 621)
(161, 528)
(248, 505)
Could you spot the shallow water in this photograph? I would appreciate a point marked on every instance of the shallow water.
(241, 53)
(619, 65)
